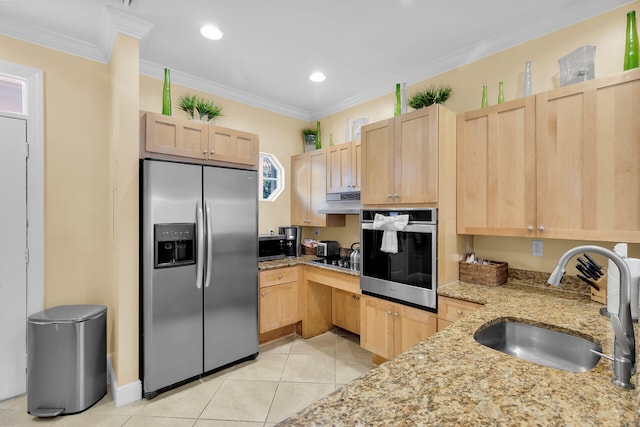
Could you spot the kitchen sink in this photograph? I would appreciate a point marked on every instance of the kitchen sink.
(540, 345)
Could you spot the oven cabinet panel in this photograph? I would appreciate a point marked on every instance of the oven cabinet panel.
(377, 326)
(345, 312)
(279, 293)
(412, 326)
(451, 310)
(387, 329)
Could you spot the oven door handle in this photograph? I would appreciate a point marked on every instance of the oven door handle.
(411, 228)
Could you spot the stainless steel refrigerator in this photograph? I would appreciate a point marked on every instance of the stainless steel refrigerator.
(199, 284)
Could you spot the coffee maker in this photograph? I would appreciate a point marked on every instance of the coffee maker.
(292, 239)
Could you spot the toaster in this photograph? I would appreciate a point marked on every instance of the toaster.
(328, 248)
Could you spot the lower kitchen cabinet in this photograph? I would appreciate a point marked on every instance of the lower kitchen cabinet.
(388, 329)
(345, 312)
(279, 296)
(451, 310)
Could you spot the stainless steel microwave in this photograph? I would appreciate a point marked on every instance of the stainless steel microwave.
(271, 247)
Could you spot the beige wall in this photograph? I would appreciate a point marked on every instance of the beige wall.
(279, 135)
(606, 32)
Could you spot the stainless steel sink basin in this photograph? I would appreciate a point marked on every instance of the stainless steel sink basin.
(540, 345)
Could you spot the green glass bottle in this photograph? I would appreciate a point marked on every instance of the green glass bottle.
(631, 46)
(318, 141)
(397, 110)
(500, 92)
(485, 99)
(166, 94)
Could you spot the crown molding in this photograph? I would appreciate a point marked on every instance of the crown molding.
(156, 71)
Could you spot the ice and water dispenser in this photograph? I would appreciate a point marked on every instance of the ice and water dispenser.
(174, 244)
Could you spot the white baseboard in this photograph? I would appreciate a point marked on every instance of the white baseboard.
(122, 395)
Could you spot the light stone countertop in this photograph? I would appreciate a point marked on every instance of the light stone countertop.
(450, 379)
(304, 259)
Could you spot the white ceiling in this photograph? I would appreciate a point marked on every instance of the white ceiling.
(270, 47)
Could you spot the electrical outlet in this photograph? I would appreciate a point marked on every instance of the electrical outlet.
(316, 232)
(272, 231)
(537, 248)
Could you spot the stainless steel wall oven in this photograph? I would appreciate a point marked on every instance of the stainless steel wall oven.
(410, 275)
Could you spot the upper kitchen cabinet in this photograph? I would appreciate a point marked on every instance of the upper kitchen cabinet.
(584, 169)
(400, 158)
(167, 137)
(496, 169)
(233, 146)
(344, 167)
(308, 191)
(588, 160)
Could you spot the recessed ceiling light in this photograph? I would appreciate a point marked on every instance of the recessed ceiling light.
(211, 32)
(317, 76)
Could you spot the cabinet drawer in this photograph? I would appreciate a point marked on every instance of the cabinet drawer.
(453, 309)
(278, 276)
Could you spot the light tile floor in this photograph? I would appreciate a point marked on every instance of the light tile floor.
(288, 375)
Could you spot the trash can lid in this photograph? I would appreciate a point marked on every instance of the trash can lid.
(68, 313)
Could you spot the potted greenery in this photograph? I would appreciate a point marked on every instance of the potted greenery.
(207, 109)
(431, 95)
(309, 139)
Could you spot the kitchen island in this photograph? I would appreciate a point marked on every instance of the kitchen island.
(450, 379)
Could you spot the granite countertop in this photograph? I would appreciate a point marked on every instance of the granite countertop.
(450, 379)
(305, 260)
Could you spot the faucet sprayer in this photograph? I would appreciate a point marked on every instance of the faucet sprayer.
(624, 349)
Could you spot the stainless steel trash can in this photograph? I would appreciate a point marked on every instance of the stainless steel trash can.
(67, 359)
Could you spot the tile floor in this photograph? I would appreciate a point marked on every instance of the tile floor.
(288, 375)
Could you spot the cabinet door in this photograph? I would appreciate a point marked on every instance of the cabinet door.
(416, 157)
(378, 163)
(168, 135)
(346, 310)
(496, 170)
(278, 306)
(376, 323)
(233, 146)
(300, 189)
(589, 160)
(356, 165)
(339, 168)
(318, 188)
(412, 326)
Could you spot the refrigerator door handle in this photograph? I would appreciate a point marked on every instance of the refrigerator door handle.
(209, 234)
(200, 243)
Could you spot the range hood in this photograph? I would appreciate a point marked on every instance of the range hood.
(342, 203)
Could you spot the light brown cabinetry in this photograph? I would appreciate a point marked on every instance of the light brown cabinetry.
(279, 298)
(388, 329)
(584, 168)
(346, 310)
(496, 169)
(170, 136)
(308, 192)
(343, 167)
(451, 310)
(400, 159)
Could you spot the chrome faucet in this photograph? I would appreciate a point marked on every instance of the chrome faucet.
(624, 348)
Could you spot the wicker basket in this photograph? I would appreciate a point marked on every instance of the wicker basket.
(306, 250)
(493, 274)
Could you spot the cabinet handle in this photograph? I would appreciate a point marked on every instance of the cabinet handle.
(395, 196)
(395, 314)
(263, 293)
(279, 276)
(306, 220)
(204, 151)
(212, 152)
(541, 228)
(530, 228)
(389, 196)
(459, 312)
(388, 313)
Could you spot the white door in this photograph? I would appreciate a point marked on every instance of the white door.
(13, 266)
